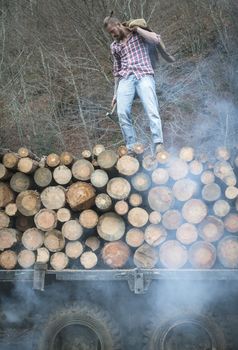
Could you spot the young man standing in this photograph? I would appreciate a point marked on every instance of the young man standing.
(133, 74)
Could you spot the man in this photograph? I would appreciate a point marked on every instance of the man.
(133, 74)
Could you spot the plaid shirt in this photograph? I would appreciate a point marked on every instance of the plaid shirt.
(131, 58)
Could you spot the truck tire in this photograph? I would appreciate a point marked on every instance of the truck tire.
(160, 332)
(89, 317)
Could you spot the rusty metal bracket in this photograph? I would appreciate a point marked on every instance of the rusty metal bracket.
(39, 276)
(139, 282)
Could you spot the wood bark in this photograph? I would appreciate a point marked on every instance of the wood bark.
(111, 227)
(115, 254)
(80, 196)
(202, 255)
(45, 219)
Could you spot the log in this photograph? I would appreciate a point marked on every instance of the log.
(5, 174)
(63, 214)
(118, 188)
(194, 211)
(107, 159)
(146, 257)
(178, 169)
(8, 238)
(231, 223)
(222, 153)
(135, 199)
(66, 158)
(72, 230)
(211, 192)
(33, 238)
(53, 160)
(122, 151)
(137, 217)
(24, 222)
(43, 177)
(11, 209)
(195, 167)
(236, 161)
(97, 149)
(211, 229)
(231, 192)
(6, 195)
(59, 261)
(172, 219)
(8, 260)
(173, 255)
(127, 165)
(225, 173)
(23, 152)
(80, 196)
(155, 217)
(121, 207)
(139, 148)
(186, 154)
(135, 237)
(43, 255)
(184, 189)
(27, 165)
(141, 182)
(88, 260)
(73, 250)
(20, 182)
(93, 243)
(111, 227)
(160, 176)
(82, 170)
(115, 254)
(149, 163)
(28, 202)
(54, 241)
(99, 178)
(62, 175)
(10, 160)
(187, 233)
(4, 220)
(227, 252)
(53, 197)
(45, 219)
(87, 154)
(155, 235)
(163, 157)
(207, 177)
(88, 218)
(202, 255)
(103, 202)
(230, 180)
(160, 198)
(221, 208)
(26, 258)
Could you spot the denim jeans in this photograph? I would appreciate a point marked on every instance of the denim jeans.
(145, 88)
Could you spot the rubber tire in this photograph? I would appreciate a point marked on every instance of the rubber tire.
(82, 314)
(159, 327)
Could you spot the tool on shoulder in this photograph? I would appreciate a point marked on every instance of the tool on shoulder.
(112, 115)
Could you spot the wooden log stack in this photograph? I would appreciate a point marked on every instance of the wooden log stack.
(109, 209)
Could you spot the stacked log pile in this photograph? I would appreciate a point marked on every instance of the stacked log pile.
(113, 210)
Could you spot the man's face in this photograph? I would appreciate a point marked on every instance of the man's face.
(115, 31)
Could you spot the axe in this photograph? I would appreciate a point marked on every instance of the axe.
(112, 114)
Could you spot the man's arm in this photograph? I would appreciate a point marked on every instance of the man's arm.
(150, 37)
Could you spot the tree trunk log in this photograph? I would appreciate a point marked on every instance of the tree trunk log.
(207, 177)
(187, 233)
(149, 163)
(225, 173)
(178, 169)
(6, 195)
(93, 243)
(99, 178)
(194, 211)
(146, 257)
(82, 170)
(8, 238)
(138, 217)
(127, 165)
(43, 177)
(172, 219)
(222, 153)
(4, 220)
(111, 227)
(27, 165)
(62, 175)
(23, 152)
(45, 219)
(72, 230)
(155, 235)
(80, 196)
(141, 182)
(24, 222)
(5, 174)
(73, 250)
(26, 258)
(163, 157)
(8, 260)
(135, 199)
(118, 188)
(97, 149)
(20, 182)
(122, 151)
(88, 260)
(88, 218)
(221, 208)
(135, 237)
(54, 241)
(186, 154)
(173, 255)
(11, 209)
(28, 202)
(231, 192)
(160, 176)
(227, 252)
(10, 160)
(32, 239)
(87, 154)
(59, 261)
(195, 167)
(211, 229)
(121, 207)
(160, 198)
(53, 197)
(103, 202)
(155, 217)
(184, 189)
(107, 159)
(231, 223)
(63, 214)
(211, 192)
(53, 160)
(66, 158)
(115, 254)
(202, 255)
(43, 255)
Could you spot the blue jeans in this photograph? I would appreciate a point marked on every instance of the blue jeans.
(145, 88)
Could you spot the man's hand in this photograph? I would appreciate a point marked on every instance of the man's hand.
(114, 101)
